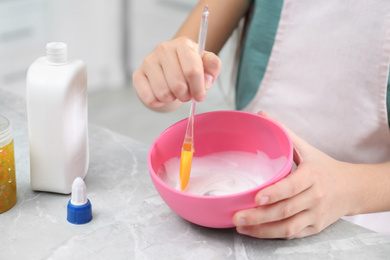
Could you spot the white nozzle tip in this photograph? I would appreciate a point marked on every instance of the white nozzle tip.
(79, 192)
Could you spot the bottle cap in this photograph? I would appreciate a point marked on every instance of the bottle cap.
(79, 207)
(57, 52)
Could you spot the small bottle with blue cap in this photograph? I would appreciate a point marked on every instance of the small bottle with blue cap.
(79, 206)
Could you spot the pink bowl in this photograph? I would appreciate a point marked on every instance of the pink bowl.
(217, 132)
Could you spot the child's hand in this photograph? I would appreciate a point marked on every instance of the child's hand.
(302, 204)
(175, 71)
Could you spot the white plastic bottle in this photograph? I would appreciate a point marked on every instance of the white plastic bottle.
(57, 112)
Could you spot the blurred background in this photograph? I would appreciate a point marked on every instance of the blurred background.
(112, 37)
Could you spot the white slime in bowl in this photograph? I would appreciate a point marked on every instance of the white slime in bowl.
(223, 173)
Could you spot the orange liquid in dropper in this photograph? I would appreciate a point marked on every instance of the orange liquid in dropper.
(185, 168)
(187, 146)
(185, 162)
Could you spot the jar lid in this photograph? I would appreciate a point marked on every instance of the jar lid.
(5, 131)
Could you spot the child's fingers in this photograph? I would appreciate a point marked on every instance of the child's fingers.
(293, 227)
(174, 77)
(175, 71)
(212, 67)
(273, 212)
(192, 68)
(144, 90)
(293, 184)
(158, 84)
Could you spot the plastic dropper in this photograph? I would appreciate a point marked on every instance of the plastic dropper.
(187, 150)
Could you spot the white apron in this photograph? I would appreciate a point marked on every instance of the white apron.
(327, 80)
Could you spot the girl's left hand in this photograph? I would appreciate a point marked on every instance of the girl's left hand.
(304, 203)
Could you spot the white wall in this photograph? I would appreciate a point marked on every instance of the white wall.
(21, 37)
(93, 30)
(111, 36)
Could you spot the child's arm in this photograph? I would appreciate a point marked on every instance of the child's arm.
(174, 72)
(223, 19)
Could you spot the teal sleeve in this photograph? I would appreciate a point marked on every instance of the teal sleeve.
(256, 49)
(388, 100)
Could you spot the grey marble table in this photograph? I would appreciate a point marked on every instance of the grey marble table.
(131, 221)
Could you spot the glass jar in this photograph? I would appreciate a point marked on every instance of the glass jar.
(7, 166)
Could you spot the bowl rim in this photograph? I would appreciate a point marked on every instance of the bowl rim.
(280, 175)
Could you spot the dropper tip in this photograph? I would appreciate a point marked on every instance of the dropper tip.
(206, 9)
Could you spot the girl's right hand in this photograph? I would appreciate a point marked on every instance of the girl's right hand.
(174, 71)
